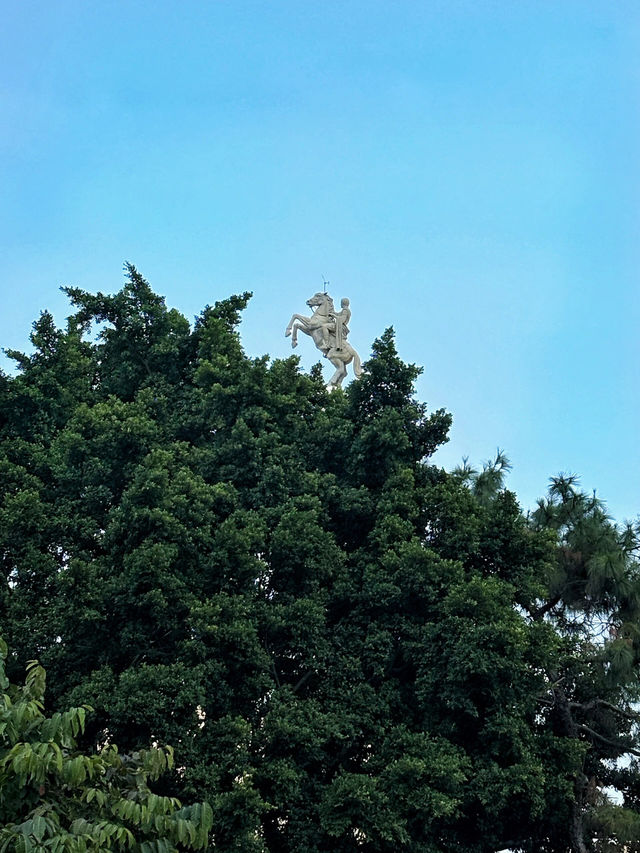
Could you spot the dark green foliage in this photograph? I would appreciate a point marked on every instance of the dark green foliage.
(349, 648)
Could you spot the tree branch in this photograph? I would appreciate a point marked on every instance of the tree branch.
(545, 608)
(615, 744)
(302, 680)
(594, 703)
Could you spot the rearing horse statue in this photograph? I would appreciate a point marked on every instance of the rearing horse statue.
(328, 329)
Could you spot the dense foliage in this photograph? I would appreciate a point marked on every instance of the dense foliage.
(54, 799)
(348, 647)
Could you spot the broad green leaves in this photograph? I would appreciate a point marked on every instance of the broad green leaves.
(54, 798)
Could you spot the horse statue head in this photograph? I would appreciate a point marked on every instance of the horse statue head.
(321, 303)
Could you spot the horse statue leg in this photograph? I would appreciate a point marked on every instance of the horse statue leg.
(341, 358)
(348, 355)
(293, 319)
(296, 322)
(339, 375)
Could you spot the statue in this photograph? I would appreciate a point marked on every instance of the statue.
(338, 325)
(329, 331)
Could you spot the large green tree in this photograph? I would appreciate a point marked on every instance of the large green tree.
(348, 647)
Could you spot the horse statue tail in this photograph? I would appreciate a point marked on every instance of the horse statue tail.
(357, 365)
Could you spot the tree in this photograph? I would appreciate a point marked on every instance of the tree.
(593, 602)
(348, 647)
(54, 798)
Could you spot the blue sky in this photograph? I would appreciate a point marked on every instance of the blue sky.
(464, 171)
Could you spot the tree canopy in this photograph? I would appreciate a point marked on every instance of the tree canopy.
(348, 647)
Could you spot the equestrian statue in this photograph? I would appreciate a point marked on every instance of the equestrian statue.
(329, 331)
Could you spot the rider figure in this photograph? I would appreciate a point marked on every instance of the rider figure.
(339, 327)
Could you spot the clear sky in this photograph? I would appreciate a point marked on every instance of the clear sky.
(464, 170)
